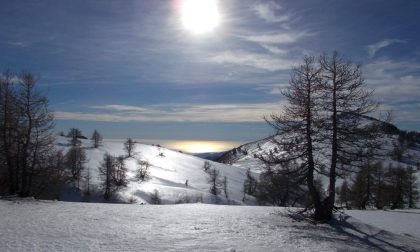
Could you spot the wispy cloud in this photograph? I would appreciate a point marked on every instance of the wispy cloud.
(255, 60)
(396, 84)
(249, 112)
(274, 49)
(118, 107)
(275, 88)
(374, 48)
(275, 38)
(19, 43)
(270, 12)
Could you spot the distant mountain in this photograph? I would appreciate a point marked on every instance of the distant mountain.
(387, 127)
(212, 156)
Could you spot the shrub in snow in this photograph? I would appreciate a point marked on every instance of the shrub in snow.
(142, 172)
(183, 199)
(199, 198)
(155, 198)
(132, 200)
(206, 166)
(161, 154)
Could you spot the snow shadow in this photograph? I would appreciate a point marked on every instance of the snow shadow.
(345, 230)
(379, 240)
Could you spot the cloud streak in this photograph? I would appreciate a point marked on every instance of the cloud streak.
(275, 38)
(269, 12)
(259, 61)
(374, 48)
(396, 84)
(249, 112)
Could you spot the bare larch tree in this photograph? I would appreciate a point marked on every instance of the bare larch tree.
(297, 129)
(345, 101)
(26, 140)
(96, 139)
(129, 146)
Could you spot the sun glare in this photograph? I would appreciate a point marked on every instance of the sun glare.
(197, 146)
(200, 16)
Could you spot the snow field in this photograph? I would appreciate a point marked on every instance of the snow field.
(68, 226)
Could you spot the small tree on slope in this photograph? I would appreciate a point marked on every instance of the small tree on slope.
(129, 146)
(75, 160)
(215, 183)
(96, 139)
(120, 173)
(106, 170)
(74, 134)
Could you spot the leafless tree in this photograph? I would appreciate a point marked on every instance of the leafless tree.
(129, 146)
(142, 172)
(106, 171)
(26, 132)
(88, 178)
(74, 134)
(155, 198)
(9, 124)
(250, 183)
(412, 191)
(344, 194)
(345, 101)
(206, 166)
(279, 187)
(75, 161)
(112, 171)
(96, 139)
(120, 174)
(327, 100)
(224, 186)
(298, 129)
(215, 182)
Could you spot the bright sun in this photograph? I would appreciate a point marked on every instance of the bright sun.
(200, 16)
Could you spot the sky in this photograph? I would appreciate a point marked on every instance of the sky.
(136, 69)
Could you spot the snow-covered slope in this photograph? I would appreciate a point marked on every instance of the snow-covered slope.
(168, 174)
(245, 156)
(68, 226)
(402, 221)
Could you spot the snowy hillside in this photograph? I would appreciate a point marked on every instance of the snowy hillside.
(245, 156)
(66, 226)
(403, 221)
(399, 153)
(169, 173)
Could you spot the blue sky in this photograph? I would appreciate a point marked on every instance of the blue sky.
(130, 68)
